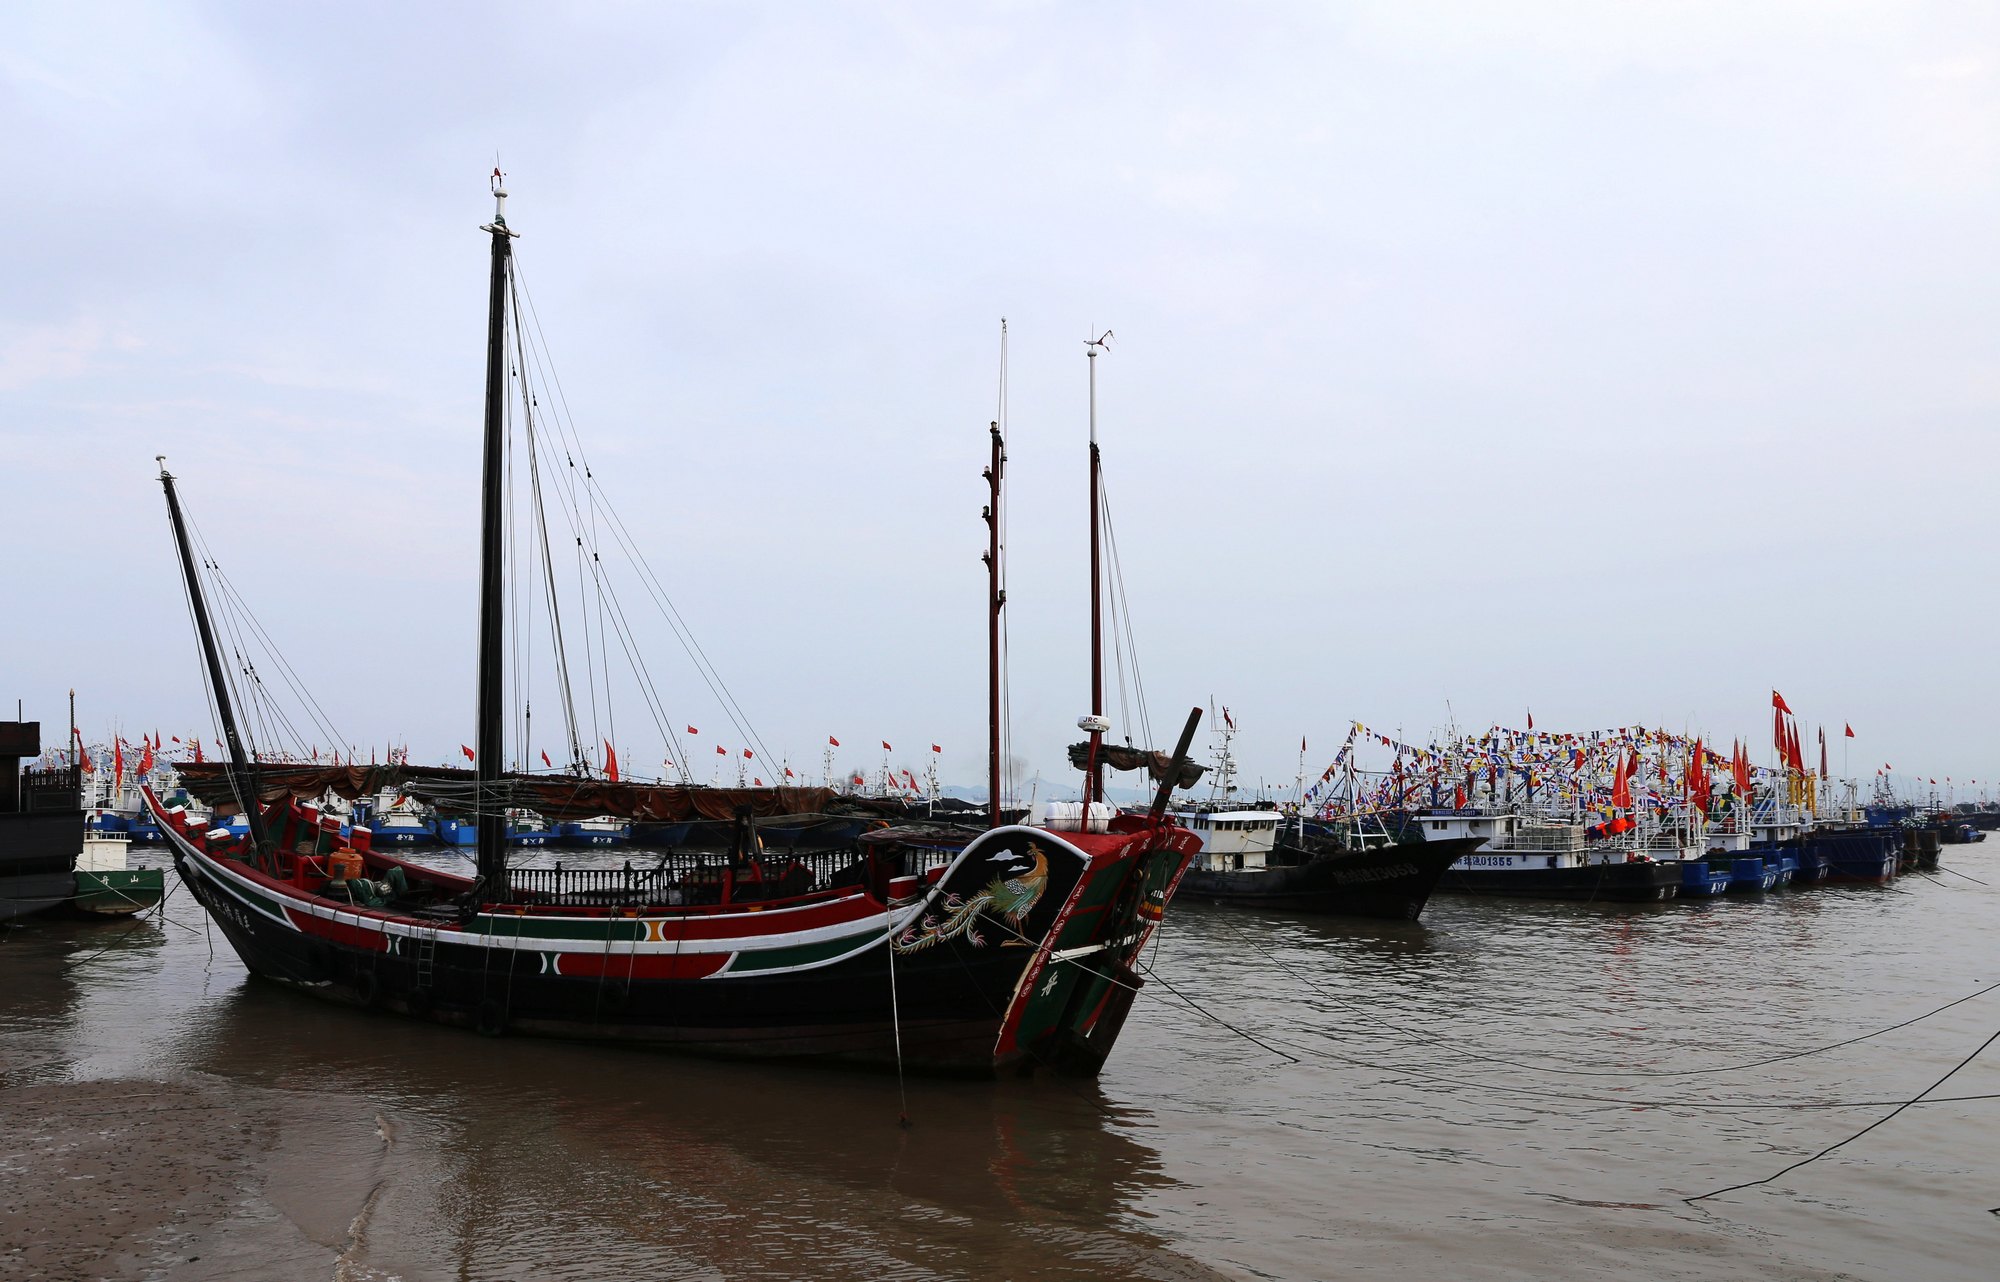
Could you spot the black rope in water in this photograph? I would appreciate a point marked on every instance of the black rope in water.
(1308, 980)
(1197, 1008)
(896, 1028)
(1850, 1139)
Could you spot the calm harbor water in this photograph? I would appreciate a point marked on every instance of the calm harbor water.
(1503, 1091)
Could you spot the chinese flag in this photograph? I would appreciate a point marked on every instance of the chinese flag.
(858, 781)
(886, 747)
(692, 730)
(467, 751)
(146, 759)
(610, 762)
(545, 759)
(197, 751)
(1850, 730)
(721, 751)
(758, 782)
(833, 741)
(789, 774)
(1778, 702)
(748, 755)
(935, 748)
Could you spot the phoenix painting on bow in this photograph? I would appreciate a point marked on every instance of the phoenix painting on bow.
(1016, 887)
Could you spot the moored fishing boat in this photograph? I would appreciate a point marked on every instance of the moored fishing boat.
(597, 831)
(41, 825)
(106, 883)
(1541, 858)
(1244, 862)
(1017, 950)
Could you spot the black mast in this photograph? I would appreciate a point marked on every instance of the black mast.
(242, 772)
(487, 813)
(996, 601)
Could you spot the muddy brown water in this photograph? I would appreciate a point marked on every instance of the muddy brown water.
(1502, 1091)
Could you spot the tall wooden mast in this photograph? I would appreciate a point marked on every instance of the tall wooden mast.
(996, 600)
(1093, 776)
(488, 813)
(242, 771)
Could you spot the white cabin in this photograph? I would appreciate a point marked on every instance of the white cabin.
(1233, 840)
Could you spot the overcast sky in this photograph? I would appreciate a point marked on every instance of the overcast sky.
(1621, 362)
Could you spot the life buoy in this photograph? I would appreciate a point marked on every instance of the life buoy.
(368, 987)
(490, 1018)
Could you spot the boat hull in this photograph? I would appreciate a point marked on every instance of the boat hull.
(1388, 882)
(1603, 883)
(937, 982)
(1865, 856)
(37, 860)
(118, 892)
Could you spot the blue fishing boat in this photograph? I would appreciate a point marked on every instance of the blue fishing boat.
(1699, 877)
(527, 830)
(403, 826)
(1748, 874)
(1857, 854)
(661, 836)
(593, 833)
(452, 832)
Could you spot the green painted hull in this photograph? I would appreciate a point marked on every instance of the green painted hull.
(120, 893)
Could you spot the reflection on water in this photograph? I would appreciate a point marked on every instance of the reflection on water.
(1510, 1089)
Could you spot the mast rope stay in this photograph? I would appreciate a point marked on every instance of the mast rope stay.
(599, 503)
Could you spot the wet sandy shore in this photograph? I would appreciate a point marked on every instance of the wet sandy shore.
(184, 1180)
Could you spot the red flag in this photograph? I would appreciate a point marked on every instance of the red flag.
(789, 774)
(1822, 752)
(1740, 768)
(468, 753)
(146, 760)
(1778, 702)
(721, 751)
(197, 751)
(1850, 730)
(1458, 798)
(833, 741)
(935, 748)
(758, 782)
(545, 759)
(886, 747)
(747, 754)
(117, 763)
(610, 762)
(1778, 731)
(177, 738)
(1621, 784)
(858, 781)
(1531, 718)
(89, 766)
